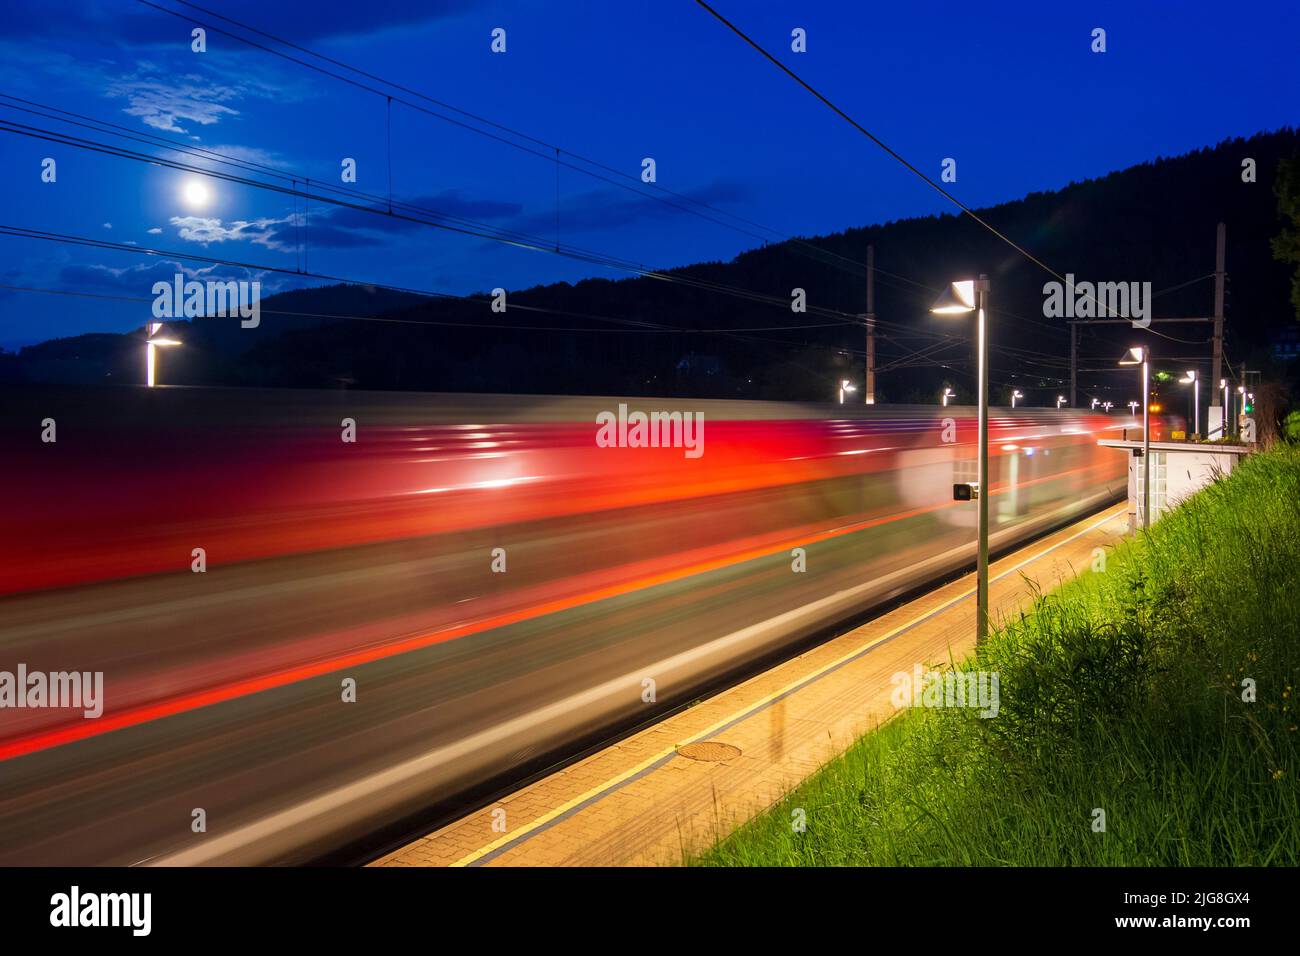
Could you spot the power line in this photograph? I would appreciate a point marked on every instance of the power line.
(467, 325)
(23, 232)
(527, 243)
(548, 147)
(891, 152)
(477, 228)
(587, 255)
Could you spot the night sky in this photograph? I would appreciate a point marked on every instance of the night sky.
(1011, 91)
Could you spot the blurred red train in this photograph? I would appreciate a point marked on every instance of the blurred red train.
(497, 583)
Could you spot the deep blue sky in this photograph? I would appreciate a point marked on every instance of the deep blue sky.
(1010, 90)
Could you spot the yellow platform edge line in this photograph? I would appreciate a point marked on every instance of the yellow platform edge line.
(761, 702)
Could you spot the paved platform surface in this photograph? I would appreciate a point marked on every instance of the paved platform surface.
(641, 802)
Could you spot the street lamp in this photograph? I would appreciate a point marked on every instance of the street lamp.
(1015, 393)
(1192, 379)
(1227, 407)
(961, 298)
(1132, 408)
(1060, 400)
(1241, 390)
(153, 341)
(1107, 406)
(1095, 403)
(1141, 355)
(945, 395)
(846, 386)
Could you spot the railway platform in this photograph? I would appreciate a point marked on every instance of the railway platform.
(673, 788)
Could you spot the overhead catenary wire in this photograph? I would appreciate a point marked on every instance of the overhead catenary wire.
(636, 182)
(212, 155)
(849, 318)
(675, 278)
(644, 327)
(545, 150)
(892, 153)
(514, 240)
(26, 232)
(95, 242)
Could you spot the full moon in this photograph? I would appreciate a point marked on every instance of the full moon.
(196, 194)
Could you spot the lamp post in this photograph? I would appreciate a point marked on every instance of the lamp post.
(1141, 355)
(1095, 403)
(1227, 407)
(153, 341)
(1132, 408)
(1241, 390)
(1015, 393)
(1191, 379)
(945, 395)
(1107, 406)
(846, 386)
(960, 298)
(1060, 400)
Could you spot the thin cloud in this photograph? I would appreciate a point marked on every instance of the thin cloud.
(166, 106)
(280, 235)
(601, 210)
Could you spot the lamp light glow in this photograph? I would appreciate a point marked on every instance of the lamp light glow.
(153, 341)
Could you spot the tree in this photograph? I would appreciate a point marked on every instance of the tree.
(1286, 244)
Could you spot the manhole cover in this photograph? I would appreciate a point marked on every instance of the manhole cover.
(709, 750)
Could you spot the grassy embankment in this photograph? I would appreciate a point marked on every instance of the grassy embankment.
(1122, 691)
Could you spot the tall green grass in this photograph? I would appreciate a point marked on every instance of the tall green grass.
(1121, 691)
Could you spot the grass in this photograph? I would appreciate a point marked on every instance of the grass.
(1121, 691)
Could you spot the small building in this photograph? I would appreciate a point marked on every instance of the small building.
(1178, 470)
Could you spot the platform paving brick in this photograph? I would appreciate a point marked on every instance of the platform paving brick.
(610, 810)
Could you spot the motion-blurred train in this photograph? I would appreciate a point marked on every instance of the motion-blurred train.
(317, 613)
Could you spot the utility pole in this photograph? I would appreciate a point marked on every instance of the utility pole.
(870, 384)
(1074, 362)
(1216, 368)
